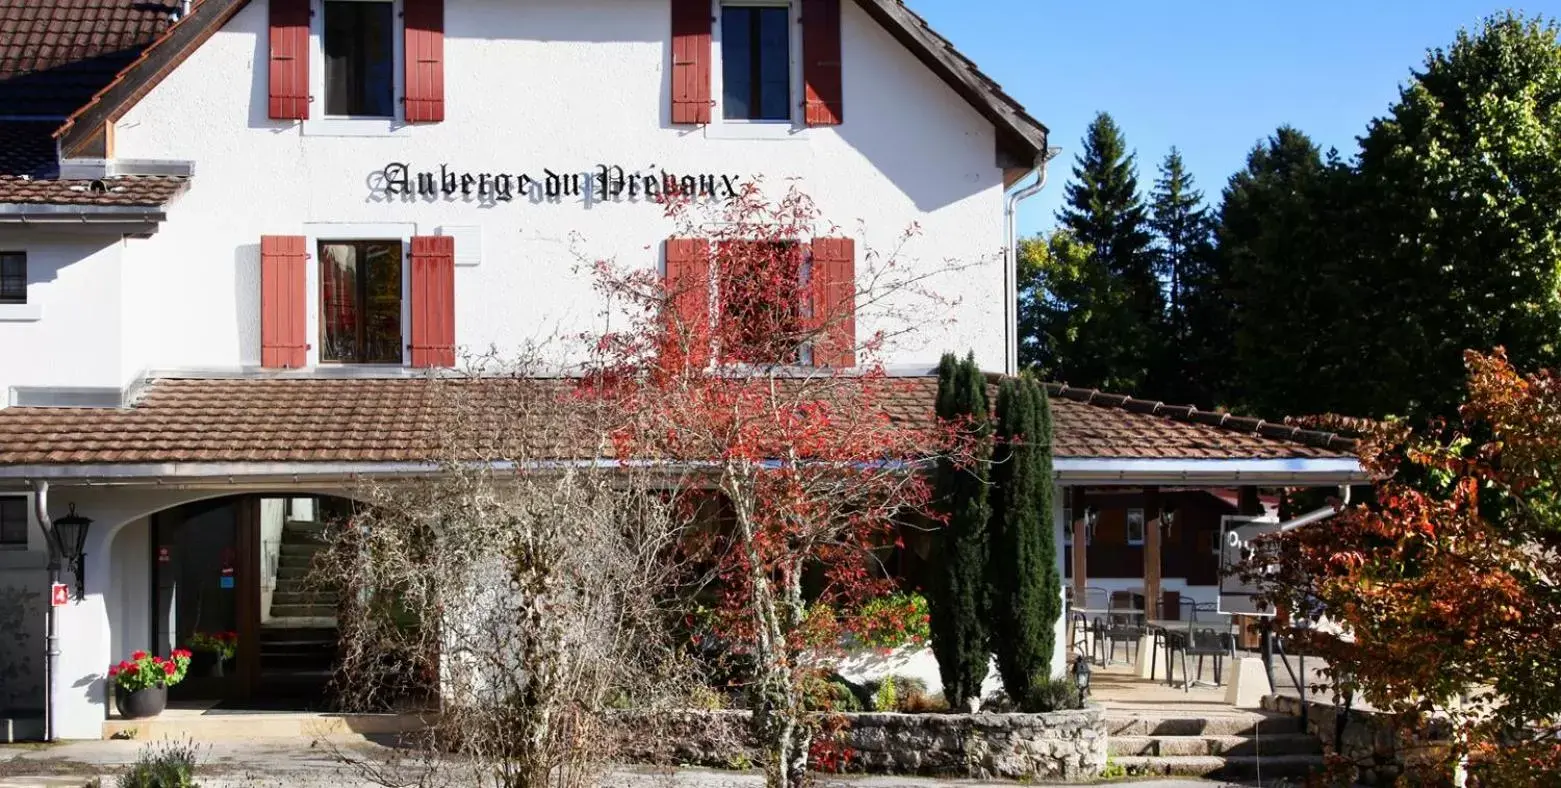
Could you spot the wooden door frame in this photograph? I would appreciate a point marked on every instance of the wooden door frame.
(247, 609)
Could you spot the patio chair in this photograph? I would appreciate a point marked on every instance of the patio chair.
(1086, 630)
(1124, 624)
(1206, 638)
(1167, 638)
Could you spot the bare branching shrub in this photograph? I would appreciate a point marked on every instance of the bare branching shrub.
(520, 593)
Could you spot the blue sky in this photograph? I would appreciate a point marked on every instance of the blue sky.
(1209, 76)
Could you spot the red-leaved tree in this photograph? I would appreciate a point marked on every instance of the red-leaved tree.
(750, 375)
(1446, 588)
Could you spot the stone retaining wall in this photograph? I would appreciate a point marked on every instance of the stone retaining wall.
(1064, 746)
(1370, 740)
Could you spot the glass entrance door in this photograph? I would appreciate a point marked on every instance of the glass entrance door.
(200, 579)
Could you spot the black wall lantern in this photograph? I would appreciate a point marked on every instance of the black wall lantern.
(70, 542)
(1081, 674)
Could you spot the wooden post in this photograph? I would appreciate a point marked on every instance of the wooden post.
(1152, 552)
(1080, 545)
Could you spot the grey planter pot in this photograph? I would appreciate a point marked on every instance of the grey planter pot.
(140, 704)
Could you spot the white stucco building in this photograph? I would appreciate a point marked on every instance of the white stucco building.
(226, 242)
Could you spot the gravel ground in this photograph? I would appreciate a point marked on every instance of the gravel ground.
(263, 764)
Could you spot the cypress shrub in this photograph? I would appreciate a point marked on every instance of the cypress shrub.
(1025, 585)
(955, 608)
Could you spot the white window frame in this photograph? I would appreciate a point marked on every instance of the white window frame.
(327, 232)
(1143, 526)
(27, 524)
(722, 129)
(321, 125)
(29, 310)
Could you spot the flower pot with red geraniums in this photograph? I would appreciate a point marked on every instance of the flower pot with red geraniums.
(143, 682)
(218, 648)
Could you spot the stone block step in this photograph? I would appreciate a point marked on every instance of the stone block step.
(302, 611)
(286, 571)
(303, 596)
(303, 549)
(1236, 767)
(1276, 744)
(1232, 724)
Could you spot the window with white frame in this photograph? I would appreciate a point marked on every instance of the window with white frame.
(360, 301)
(756, 62)
(1135, 526)
(359, 41)
(13, 277)
(13, 522)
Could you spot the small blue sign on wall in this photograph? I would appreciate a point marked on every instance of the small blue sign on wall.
(227, 581)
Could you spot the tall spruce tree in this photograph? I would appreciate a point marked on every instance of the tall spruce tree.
(1188, 366)
(1104, 212)
(957, 605)
(1289, 281)
(1026, 595)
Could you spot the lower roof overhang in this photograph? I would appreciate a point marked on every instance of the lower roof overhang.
(1296, 472)
(93, 219)
(1069, 472)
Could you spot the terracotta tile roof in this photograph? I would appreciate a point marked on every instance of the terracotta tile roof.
(149, 191)
(55, 54)
(27, 148)
(390, 420)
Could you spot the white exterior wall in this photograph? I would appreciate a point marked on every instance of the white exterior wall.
(561, 84)
(68, 332)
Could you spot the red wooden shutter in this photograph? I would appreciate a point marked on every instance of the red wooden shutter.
(424, 61)
(433, 301)
(691, 26)
(821, 56)
(688, 290)
(834, 302)
(283, 320)
(289, 77)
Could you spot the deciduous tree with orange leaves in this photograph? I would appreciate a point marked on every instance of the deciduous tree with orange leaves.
(1445, 588)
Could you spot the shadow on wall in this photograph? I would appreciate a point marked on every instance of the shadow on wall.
(22, 611)
(246, 302)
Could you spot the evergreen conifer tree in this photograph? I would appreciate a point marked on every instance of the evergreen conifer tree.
(1188, 368)
(957, 605)
(1104, 212)
(1026, 588)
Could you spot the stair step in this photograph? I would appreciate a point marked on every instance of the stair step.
(1267, 745)
(302, 611)
(301, 549)
(303, 597)
(1235, 767)
(1240, 724)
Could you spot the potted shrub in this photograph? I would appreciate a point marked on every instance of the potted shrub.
(219, 646)
(143, 682)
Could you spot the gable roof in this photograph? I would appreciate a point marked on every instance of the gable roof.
(1021, 137)
(367, 420)
(55, 54)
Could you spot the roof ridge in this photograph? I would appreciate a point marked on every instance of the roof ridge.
(1286, 430)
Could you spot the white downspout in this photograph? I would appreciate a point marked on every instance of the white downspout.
(1011, 264)
(51, 658)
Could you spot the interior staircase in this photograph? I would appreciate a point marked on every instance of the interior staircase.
(1234, 745)
(298, 639)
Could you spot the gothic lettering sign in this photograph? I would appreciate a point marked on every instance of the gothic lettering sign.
(606, 183)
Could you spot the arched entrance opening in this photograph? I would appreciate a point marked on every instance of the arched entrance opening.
(238, 569)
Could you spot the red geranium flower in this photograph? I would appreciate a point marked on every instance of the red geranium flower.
(138, 655)
(113, 671)
(169, 668)
(132, 668)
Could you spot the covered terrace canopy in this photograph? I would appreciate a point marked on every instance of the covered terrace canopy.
(262, 427)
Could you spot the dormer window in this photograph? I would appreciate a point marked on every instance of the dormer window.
(756, 62)
(360, 58)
